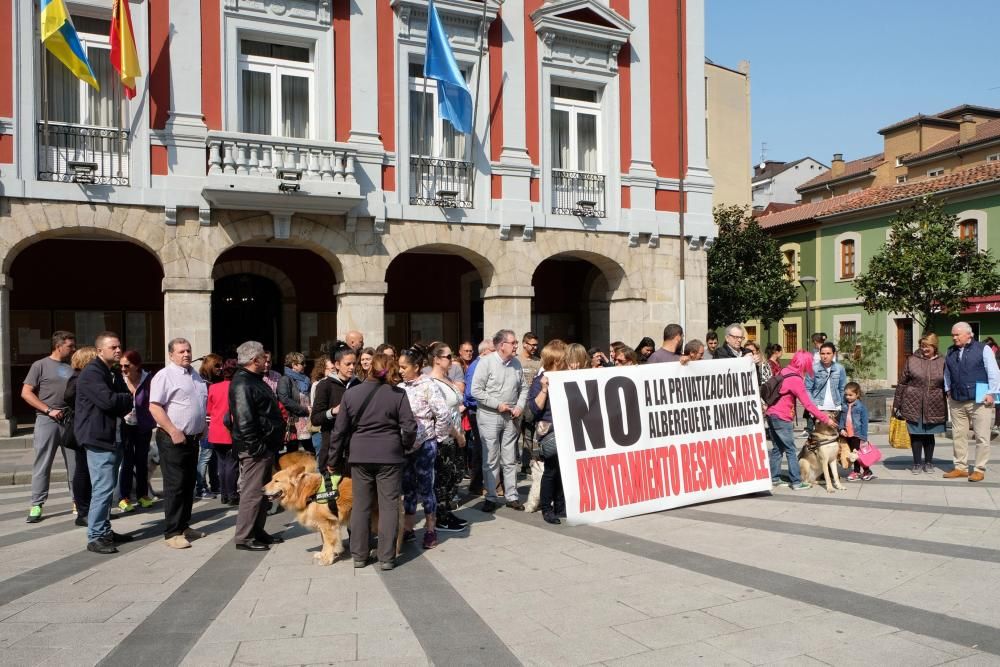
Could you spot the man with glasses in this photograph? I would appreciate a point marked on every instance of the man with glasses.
(530, 364)
(43, 390)
(500, 391)
(969, 363)
(733, 347)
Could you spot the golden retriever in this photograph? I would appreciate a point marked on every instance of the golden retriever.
(293, 487)
(820, 455)
(296, 481)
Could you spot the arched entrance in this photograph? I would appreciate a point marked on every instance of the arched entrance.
(85, 286)
(282, 297)
(571, 301)
(432, 296)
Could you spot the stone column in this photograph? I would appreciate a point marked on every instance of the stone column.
(185, 130)
(628, 317)
(7, 422)
(361, 307)
(507, 307)
(187, 312)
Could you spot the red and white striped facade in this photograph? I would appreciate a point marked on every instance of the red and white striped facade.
(199, 185)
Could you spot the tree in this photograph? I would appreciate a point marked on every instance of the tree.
(747, 278)
(861, 354)
(924, 269)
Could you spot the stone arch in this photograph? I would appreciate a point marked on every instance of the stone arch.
(476, 245)
(613, 271)
(276, 276)
(306, 233)
(35, 221)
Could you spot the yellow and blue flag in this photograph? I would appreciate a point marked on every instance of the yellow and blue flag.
(59, 36)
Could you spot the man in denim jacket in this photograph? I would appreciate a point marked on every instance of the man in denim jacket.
(826, 385)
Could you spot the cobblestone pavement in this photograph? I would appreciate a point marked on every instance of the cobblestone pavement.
(902, 570)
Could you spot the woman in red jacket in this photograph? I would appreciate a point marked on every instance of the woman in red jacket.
(219, 437)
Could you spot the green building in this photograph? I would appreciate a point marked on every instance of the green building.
(828, 242)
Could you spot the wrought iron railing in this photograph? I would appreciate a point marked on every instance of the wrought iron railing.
(83, 154)
(244, 154)
(578, 193)
(440, 182)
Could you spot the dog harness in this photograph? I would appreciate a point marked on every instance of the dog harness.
(328, 492)
(813, 446)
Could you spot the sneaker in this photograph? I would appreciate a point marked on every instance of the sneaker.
(145, 502)
(205, 495)
(80, 521)
(126, 506)
(801, 486)
(853, 477)
(448, 524)
(488, 506)
(929, 468)
(457, 520)
(409, 536)
(430, 539)
(386, 565)
(117, 538)
(99, 547)
(868, 476)
(34, 514)
(916, 469)
(776, 482)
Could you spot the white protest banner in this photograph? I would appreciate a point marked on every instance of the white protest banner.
(638, 439)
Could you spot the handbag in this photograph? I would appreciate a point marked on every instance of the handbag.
(868, 454)
(899, 434)
(547, 444)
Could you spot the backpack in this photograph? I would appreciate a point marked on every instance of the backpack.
(770, 391)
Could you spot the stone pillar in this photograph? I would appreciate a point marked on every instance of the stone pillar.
(628, 317)
(185, 131)
(361, 307)
(7, 422)
(507, 307)
(187, 312)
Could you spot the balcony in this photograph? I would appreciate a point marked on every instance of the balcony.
(82, 154)
(578, 193)
(260, 172)
(440, 182)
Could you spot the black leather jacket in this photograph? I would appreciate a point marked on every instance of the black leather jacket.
(257, 425)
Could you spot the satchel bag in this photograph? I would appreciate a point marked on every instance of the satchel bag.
(899, 434)
(547, 442)
(868, 454)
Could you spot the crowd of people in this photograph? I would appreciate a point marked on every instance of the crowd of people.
(411, 424)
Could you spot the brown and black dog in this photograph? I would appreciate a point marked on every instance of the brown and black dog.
(820, 455)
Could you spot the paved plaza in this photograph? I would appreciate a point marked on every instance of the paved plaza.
(904, 570)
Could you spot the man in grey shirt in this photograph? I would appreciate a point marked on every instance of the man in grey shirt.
(500, 391)
(43, 390)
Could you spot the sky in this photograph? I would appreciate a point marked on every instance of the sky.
(826, 75)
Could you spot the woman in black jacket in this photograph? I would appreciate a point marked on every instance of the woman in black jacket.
(378, 434)
(326, 404)
(81, 476)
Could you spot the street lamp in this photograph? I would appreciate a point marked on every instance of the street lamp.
(804, 282)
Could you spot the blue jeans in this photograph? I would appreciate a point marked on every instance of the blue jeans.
(783, 442)
(202, 482)
(103, 465)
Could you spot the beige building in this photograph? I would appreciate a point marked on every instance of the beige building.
(915, 149)
(727, 129)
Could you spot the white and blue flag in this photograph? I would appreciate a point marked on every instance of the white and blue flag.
(454, 98)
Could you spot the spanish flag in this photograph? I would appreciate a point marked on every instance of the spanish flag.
(59, 36)
(124, 58)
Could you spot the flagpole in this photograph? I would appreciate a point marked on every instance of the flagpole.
(45, 105)
(475, 107)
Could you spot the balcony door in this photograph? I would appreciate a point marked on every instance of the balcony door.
(440, 168)
(577, 181)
